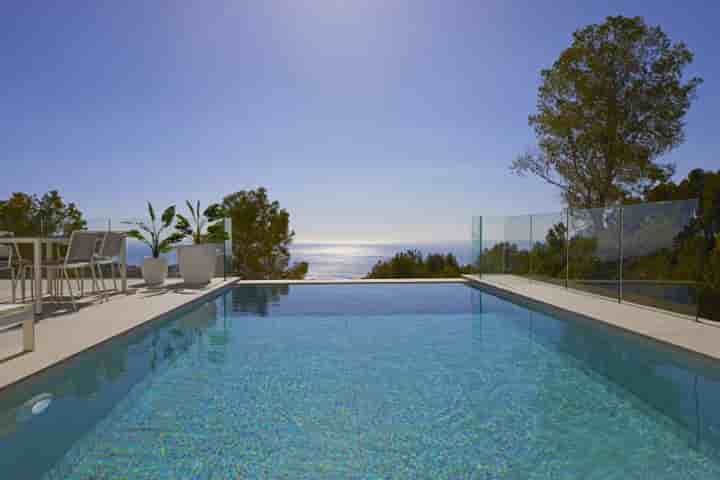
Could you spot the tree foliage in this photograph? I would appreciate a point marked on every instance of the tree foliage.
(30, 215)
(609, 107)
(261, 236)
(412, 264)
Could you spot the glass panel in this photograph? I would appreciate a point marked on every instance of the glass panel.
(662, 255)
(493, 245)
(517, 239)
(548, 253)
(670, 256)
(477, 246)
(228, 251)
(708, 292)
(594, 251)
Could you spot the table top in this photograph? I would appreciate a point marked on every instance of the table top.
(34, 239)
(7, 309)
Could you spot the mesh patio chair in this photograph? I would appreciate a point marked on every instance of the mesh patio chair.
(96, 281)
(11, 261)
(79, 256)
(109, 251)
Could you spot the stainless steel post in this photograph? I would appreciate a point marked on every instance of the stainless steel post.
(567, 247)
(620, 259)
(530, 248)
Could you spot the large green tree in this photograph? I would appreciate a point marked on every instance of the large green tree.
(261, 236)
(611, 105)
(412, 264)
(25, 214)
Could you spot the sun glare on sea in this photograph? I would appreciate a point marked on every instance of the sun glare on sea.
(341, 250)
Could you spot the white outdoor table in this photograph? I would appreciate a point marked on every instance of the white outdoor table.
(37, 243)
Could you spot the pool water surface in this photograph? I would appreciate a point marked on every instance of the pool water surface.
(367, 381)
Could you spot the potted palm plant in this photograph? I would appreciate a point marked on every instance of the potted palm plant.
(197, 261)
(155, 268)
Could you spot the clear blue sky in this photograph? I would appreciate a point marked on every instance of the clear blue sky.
(368, 120)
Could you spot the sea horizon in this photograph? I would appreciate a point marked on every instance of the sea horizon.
(340, 260)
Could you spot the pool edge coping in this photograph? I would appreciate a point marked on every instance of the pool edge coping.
(226, 284)
(509, 291)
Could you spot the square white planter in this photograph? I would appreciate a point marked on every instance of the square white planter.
(154, 270)
(196, 263)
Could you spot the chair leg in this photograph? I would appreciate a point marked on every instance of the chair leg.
(13, 285)
(69, 284)
(21, 273)
(114, 278)
(102, 282)
(96, 287)
(27, 271)
(102, 278)
(81, 281)
(22, 288)
(29, 274)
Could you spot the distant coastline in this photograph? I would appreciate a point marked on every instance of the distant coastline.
(340, 261)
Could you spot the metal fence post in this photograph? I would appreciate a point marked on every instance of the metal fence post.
(504, 246)
(476, 243)
(621, 254)
(227, 245)
(530, 247)
(567, 247)
(480, 245)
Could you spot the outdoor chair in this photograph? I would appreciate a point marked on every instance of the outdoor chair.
(109, 251)
(79, 256)
(11, 261)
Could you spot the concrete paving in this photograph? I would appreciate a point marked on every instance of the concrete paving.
(64, 334)
(701, 337)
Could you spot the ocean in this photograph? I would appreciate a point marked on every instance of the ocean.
(347, 260)
(340, 261)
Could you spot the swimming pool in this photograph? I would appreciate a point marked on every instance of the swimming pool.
(367, 381)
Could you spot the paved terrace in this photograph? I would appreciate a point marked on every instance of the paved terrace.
(701, 337)
(63, 334)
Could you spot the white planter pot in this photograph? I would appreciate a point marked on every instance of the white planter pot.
(219, 265)
(196, 263)
(154, 270)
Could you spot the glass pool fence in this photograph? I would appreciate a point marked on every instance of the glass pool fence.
(654, 254)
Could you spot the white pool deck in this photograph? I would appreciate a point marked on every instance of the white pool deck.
(60, 337)
(701, 337)
(65, 335)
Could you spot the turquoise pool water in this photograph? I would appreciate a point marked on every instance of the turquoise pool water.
(367, 381)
